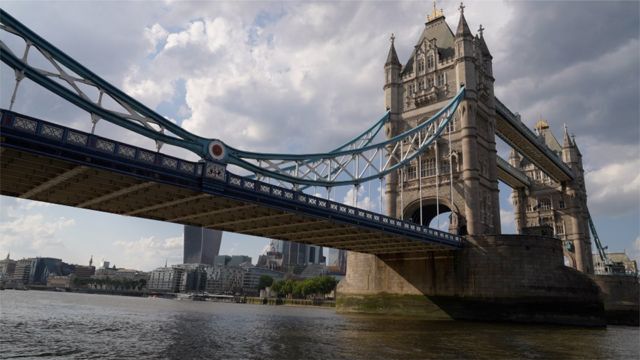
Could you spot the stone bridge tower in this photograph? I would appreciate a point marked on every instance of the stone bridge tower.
(552, 208)
(462, 179)
(493, 276)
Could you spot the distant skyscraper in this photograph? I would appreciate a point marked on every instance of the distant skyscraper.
(201, 245)
(337, 260)
(298, 254)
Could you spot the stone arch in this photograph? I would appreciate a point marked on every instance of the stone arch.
(411, 213)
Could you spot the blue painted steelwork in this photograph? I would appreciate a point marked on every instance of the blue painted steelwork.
(601, 249)
(343, 161)
(316, 169)
(51, 140)
(181, 137)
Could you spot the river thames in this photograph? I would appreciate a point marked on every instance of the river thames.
(39, 324)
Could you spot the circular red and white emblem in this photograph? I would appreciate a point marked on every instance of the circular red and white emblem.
(217, 150)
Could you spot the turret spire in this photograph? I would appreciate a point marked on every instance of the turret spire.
(392, 57)
(463, 27)
(566, 140)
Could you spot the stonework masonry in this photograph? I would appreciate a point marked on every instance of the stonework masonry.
(497, 278)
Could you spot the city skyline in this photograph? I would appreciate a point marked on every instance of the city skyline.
(278, 61)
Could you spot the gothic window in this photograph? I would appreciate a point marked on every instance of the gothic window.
(561, 204)
(440, 80)
(430, 62)
(419, 85)
(429, 82)
(411, 172)
(420, 65)
(545, 204)
(428, 167)
(444, 167)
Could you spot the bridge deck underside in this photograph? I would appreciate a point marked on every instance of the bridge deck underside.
(54, 180)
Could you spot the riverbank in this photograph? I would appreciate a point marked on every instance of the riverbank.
(291, 302)
(192, 297)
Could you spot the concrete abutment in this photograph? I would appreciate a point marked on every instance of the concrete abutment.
(493, 278)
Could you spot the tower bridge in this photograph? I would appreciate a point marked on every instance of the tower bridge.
(433, 151)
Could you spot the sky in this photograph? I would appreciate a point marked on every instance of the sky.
(307, 76)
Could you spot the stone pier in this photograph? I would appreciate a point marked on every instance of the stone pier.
(493, 278)
(621, 298)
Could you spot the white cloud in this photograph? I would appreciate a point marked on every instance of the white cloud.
(32, 232)
(149, 91)
(155, 34)
(360, 201)
(615, 188)
(149, 252)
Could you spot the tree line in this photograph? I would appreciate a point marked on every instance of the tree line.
(300, 289)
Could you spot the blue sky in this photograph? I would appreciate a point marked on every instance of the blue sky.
(303, 77)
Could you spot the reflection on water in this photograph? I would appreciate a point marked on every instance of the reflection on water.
(67, 325)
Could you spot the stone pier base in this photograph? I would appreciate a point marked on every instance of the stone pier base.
(494, 278)
(621, 298)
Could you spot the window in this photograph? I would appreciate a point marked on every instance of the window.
(411, 172)
(444, 167)
(430, 62)
(428, 167)
(440, 79)
(420, 65)
(561, 204)
(429, 82)
(545, 204)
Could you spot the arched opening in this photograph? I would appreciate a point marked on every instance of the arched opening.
(436, 216)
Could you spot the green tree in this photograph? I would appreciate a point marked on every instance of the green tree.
(265, 281)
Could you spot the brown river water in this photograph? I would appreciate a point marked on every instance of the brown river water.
(40, 324)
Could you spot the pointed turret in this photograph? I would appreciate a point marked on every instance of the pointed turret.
(566, 140)
(392, 57)
(463, 28)
(91, 261)
(8, 255)
(484, 49)
(570, 153)
(514, 159)
(465, 57)
(575, 145)
(392, 83)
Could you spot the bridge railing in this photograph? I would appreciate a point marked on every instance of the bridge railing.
(75, 140)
